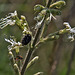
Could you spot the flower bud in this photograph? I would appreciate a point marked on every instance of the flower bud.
(47, 21)
(23, 17)
(38, 18)
(67, 25)
(10, 53)
(38, 7)
(43, 12)
(63, 31)
(15, 65)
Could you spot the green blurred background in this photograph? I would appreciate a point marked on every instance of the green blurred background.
(55, 57)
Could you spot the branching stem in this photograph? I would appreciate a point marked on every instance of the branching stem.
(30, 51)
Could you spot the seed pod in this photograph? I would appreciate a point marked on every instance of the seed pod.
(26, 39)
(38, 7)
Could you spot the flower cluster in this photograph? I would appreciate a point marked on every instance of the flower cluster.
(14, 45)
(50, 12)
(9, 20)
(13, 19)
(71, 33)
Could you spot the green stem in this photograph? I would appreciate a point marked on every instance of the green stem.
(18, 62)
(26, 60)
(30, 51)
(16, 68)
(44, 25)
(52, 36)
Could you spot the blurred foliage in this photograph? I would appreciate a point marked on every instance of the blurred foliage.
(59, 50)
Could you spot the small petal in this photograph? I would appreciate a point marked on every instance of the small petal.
(71, 38)
(39, 24)
(52, 16)
(67, 25)
(72, 30)
(13, 14)
(10, 22)
(8, 40)
(13, 43)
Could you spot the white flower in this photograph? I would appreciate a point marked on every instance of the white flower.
(9, 16)
(72, 30)
(71, 33)
(13, 14)
(3, 19)
(7, 22)
(14, 44)
(68, 27)
(10, 22)
(71, 37)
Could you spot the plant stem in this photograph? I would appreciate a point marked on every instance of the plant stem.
(18, 62)
(30, 51)
(26, 60)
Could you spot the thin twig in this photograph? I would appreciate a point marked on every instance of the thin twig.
(49, 37)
